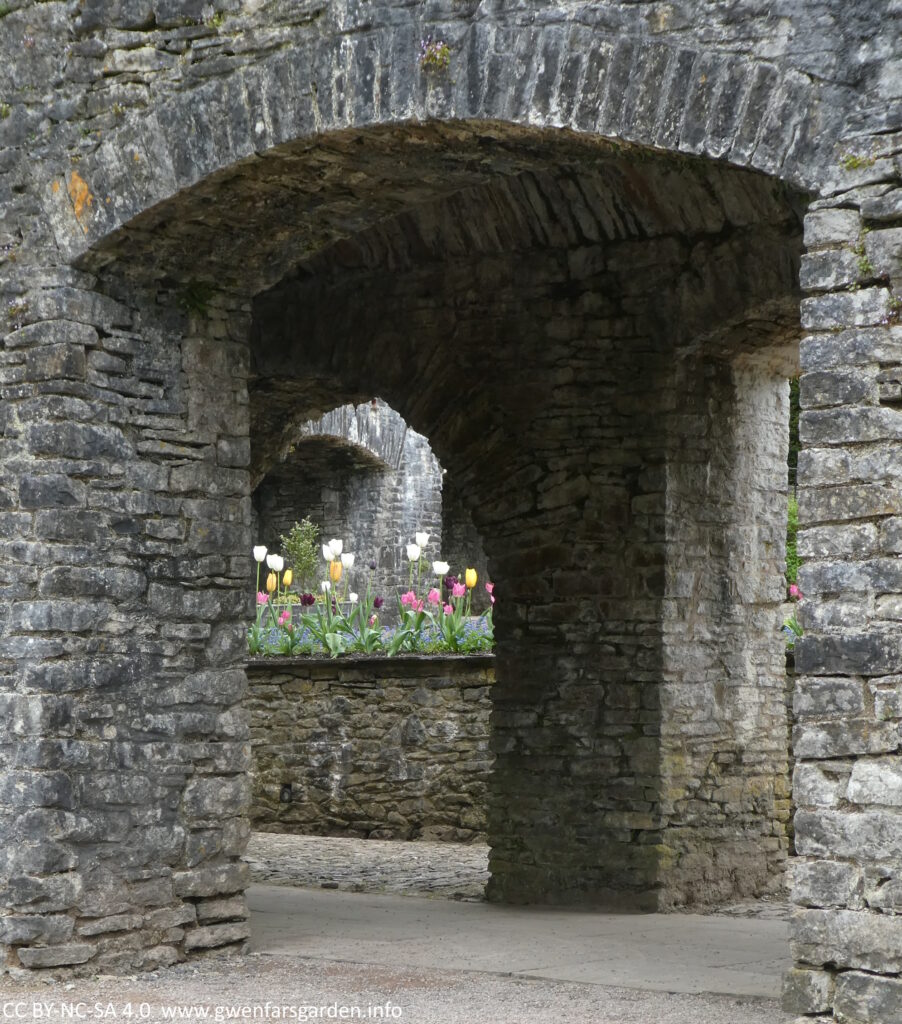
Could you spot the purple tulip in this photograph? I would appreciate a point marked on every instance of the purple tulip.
(378, 602)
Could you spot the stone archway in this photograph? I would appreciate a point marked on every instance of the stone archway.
(129, 446)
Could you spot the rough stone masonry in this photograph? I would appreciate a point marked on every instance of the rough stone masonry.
(573, 259)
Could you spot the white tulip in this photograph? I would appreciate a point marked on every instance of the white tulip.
(325, 586)
(260, 553)
(347, 560)
(353, 598)
(422, 539)
(336, 546)
(275, 562)
(440, 568)
(413, 552)
(327, 552)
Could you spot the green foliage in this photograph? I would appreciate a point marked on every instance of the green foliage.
(5, 111)
(4, 10)
(856, 161)
(301, 550)
(792, 630)
(792, 459)
(792, 549)
(195, 297)
(435, 55)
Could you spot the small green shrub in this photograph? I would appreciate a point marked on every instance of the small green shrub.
(301, 548)
(792, 549)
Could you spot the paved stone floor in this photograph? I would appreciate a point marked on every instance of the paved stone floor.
(449, 870)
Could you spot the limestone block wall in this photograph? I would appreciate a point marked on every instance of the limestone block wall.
(378, 748)
(846, 931)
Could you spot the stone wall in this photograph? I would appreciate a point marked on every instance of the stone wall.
(379, 748)
(847, 879)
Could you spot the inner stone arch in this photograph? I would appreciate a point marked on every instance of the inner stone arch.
(360, 473)
(595, 340)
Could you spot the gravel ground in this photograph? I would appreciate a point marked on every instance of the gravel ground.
(258, 987)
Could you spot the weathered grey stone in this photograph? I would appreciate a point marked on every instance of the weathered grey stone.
(211, 881)
(825, 883)
(847, 938)
(807, 991)
(222, 910)
(876, 783)
(56, 956)
(215, 935)
(869, 999)
(47, 928)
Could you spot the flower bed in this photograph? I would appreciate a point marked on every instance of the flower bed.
(334, 619)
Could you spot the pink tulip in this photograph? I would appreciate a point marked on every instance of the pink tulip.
(794, 591)
(449, 610)
(490, 587)
(435, 597)
(458, 590)
(262, 597)
(284, 617)
(409, 599)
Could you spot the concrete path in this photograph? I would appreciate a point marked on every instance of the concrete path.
(656, 952)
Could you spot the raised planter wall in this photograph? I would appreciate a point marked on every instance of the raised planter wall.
(380, 748)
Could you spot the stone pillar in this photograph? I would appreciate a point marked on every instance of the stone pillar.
(724, 730)
(846, 933)
(124, 752)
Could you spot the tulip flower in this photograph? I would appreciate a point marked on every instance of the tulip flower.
(422, 539)
(275, 562)
(347, 560)
(794, 591)
(307, 600)
(490, 588)
(413, 552)
(378, 602)
(284, 617)
(440, 568)
(458, 590)
(325, 586)
(327, 552)
(434, 597)
(287, 578)
(271, 582)
(335, 571)
(470, 578)
(336, 545)
(372, 565)
(449, 610)
(352, 597)
(262, 597)
(260, 553)
(409, 599)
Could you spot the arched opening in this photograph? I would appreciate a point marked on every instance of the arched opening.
(595, 339)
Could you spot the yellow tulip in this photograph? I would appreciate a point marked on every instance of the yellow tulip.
(335, 571)
(470, 578)
(271, 582)
(287, 578)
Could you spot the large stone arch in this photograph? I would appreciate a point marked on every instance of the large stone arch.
(76, 667)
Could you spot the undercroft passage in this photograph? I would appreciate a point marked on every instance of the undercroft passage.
(596, 343)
